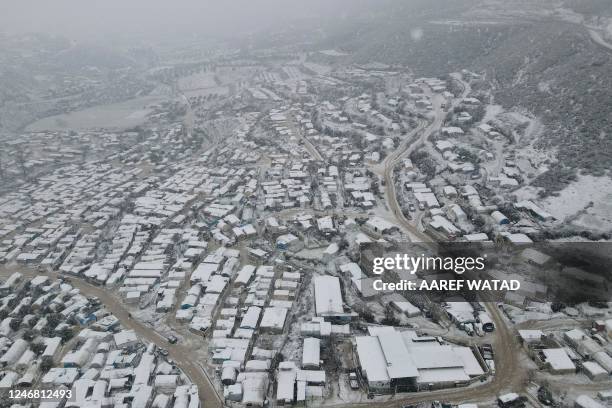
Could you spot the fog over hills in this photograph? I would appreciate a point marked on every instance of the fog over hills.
(537, 54)
(322, 203)
(159, 19)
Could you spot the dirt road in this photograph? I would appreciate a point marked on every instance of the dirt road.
(598, 39)
(510, 375)
(182, 356)
(409, 146)
(389, 164)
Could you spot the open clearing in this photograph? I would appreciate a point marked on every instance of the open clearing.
(575, 201)
(197, 81)
(113, 116)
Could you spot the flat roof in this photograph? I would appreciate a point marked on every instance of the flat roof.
(328, 298)
(399, 362)
(274, 317)
(442, 375)
(390, 354)
(372, 359)
(558, 359)
(250, 318)
(435, 356)
(587, 402)
(311, 354)
(203, 272)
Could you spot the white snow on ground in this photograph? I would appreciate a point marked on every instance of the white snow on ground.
(346, 394)
(534, 129)
(310, 254)
(526, 193)
(519, 315)
(578, 196)
(334, 53)
(491, 112)
(319, 69)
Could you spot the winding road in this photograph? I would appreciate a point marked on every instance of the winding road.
(406, 148)
(510, 375)
(181, 355)
(598, 38)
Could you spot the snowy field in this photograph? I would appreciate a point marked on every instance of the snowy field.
(201, 80)
(589, 199)
(117, 115)
(587, 202)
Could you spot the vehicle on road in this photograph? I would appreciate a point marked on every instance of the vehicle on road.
(487, 348)
(353, 381)
(438, 404)
(487, 352)
(511, 400)
(172, 339)
(545, 396)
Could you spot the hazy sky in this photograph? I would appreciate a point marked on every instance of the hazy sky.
(80, 18)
